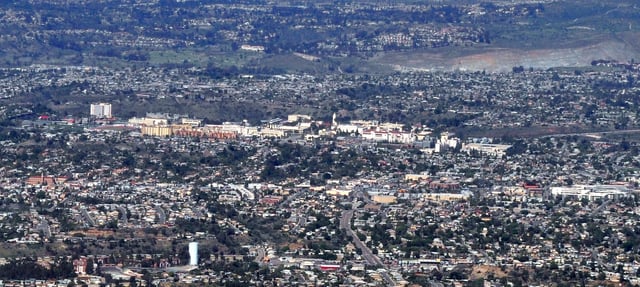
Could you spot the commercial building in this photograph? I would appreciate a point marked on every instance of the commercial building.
(446, 196)
(497, 150)
(592, 191)
(385, 199)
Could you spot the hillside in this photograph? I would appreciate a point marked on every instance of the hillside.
(496, 59)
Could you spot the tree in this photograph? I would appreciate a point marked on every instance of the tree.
(147, 277)
(476, 283)
(90, 268)
(133, 282)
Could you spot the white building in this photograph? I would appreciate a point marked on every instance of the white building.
(497, 150)
(191, 122)
(592, 191)
(252, 48)
(148, 121)
(351, 129)
(101, 110)
(297, 117)
(393, 136)
(446, 142)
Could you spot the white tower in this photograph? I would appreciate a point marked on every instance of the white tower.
(334, 123)
(193, 253)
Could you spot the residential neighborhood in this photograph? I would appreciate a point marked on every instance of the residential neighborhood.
(319, 143)
(304, 201)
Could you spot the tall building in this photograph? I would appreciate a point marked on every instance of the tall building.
(101, 110)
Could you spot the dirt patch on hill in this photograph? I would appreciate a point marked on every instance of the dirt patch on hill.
(496, 59)
(483, 271)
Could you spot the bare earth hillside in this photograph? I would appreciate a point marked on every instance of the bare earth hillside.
(504, 59)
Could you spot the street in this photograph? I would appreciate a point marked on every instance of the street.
(369, 257)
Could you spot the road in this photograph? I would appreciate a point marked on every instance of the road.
(369, 257)
(601, 207)
(290, 198)
(359, 193)
(593, 133)
(486, 256)
(595, 255)
(302, 221)
(162, 217)
(88, 218)
(123, 214)
(44, 227)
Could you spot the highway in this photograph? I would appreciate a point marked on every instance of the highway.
(369, 257)
(89, 221)
(595, 255)
(44, 227)
(592, 133)
(486, 256)
(302, 221)
(123, 213)
(162, 217)
(345, 222)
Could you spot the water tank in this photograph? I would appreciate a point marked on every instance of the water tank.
(193, 253)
